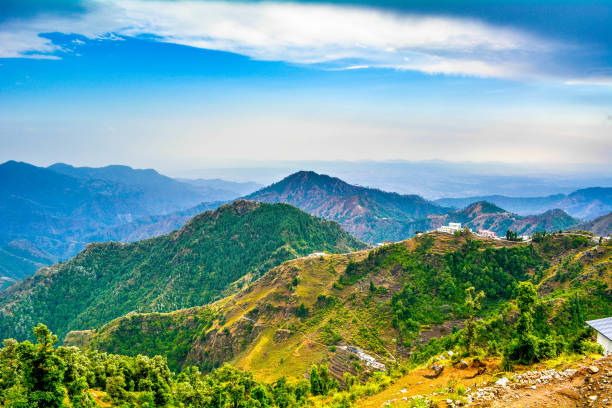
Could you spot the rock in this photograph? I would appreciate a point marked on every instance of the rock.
(592, 369)
(462, 365)
(502, 382)
(593, 397)
(450, 353)
(403, 391)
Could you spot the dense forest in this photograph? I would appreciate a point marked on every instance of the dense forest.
(192, 266)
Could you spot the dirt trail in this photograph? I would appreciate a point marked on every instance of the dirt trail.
(586, 383)
(589, 384)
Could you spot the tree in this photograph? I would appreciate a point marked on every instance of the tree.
(538, 236)
(43, 370)
(512, 235)
(472, 305)
(526, 347)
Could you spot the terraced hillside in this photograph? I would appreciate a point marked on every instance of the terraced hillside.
(213, 255)
(386, 302)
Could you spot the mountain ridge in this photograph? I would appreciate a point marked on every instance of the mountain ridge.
(370, 214)
(211, 254)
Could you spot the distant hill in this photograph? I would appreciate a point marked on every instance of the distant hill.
(162, 193)
(484, 215)
(214, 253)
(56, 211)
(601, 226)
(238, 188)
(19, 259)
(53, 211)
(588, 203)
(370, 214)
(151, 226)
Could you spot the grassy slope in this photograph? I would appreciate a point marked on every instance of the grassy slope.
(210, 257)
(257, 329)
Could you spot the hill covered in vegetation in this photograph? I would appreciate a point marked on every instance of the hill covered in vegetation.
(401, 304)
(376, 216)
(370, 214)
(587, 203)
(487, 216)
(212, 255)
(50, 214)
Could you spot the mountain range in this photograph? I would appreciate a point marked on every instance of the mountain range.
(214, 252)
(280, 293)
(370, 214)
(586, 204)
(49, 214)
(52, 213)
(374, 216)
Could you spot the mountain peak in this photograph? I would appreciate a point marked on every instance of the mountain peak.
(484, 207)
(366, 212)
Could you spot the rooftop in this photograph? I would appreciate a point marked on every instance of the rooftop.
(603, 326)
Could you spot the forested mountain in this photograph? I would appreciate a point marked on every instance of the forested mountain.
(375, 216)
(393, 302)
(370, 214)
(601, 226)
(587, 204)
(49, 214)
(484, 215)
(210, 256)
(165, 193)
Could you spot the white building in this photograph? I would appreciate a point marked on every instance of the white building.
(487, 233)
(316, 254)
(451, 228)
(603, 327)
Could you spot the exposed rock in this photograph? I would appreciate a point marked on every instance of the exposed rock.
(592, 369)
(502, 381)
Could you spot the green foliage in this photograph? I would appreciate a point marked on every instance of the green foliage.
(472, 305)
(512, 235)
(153, 334)
(189, 267)
(42, 376)
(321, 381)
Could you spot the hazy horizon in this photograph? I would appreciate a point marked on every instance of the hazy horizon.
(174, 84)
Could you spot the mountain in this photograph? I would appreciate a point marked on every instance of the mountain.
(487, 216)
(53, 211)
(19, 259)
(601, 226)
(370, 214)
(56, 211)
(393, 303)
(151, 226)
(586, 204)
(237, 188)
(163, 193)
(212, 255)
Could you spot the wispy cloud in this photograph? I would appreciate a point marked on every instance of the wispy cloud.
(298, 33)
(600, 81)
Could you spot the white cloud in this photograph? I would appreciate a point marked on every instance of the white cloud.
(297, 33)
(600, 81)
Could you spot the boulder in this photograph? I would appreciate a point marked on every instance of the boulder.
(502, 382)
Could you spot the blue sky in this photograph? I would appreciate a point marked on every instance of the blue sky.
(179, 85)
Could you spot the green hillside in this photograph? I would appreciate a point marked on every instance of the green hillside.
(390, 302)
(370, 214)
(212, 255)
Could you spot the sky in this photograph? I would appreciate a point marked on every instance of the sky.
(182, 85)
